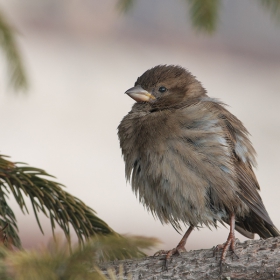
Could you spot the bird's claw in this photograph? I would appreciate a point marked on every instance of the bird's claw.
(168, 254)
(217, 248)
(229, 244)
(160, 252)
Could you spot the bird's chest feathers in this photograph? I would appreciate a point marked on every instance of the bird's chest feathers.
(174, 158)
(144, 142)
(152, 128)
(155, 155)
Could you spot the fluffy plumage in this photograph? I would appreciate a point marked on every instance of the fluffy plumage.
(188, 158)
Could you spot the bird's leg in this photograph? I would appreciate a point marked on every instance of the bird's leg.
(180, 247)
(230, 243)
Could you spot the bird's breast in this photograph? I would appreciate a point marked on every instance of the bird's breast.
(176, 162)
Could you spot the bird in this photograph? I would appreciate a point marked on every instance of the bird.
(189, 160)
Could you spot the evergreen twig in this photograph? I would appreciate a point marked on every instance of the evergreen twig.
(48, 197)
(56, 261)
(16, 72)
(125, 5)
(204, 14)
(273, 6)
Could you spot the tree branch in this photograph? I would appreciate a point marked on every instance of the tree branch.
(258, 259)
(17, 75)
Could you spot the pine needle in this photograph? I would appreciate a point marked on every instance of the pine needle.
(273, 6)
(16, 72)
(204, 14)
(48, 197)
(56, 261)
(125, 5)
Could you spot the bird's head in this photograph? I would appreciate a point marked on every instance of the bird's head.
(166, 85)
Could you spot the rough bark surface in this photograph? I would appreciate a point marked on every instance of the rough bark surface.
(258, 259)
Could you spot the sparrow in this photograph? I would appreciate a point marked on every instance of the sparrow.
(189, 159)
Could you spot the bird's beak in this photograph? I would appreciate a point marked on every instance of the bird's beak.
(139, 94)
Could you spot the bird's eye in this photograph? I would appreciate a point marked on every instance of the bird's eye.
(162, 89)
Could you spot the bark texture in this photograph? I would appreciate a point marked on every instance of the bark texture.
(258, 259)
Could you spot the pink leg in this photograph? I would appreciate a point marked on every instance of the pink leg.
(230, 243)
(180, 247)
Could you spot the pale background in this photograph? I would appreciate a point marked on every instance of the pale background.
(81, 56)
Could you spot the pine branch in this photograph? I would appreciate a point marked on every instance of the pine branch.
(9, 229)
(273, 6)
(48, 197)
(56, 261)
(125, 5)
(16, 71)
(204, 14)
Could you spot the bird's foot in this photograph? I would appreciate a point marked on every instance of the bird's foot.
(176, 251)
(230, 244)
(168, 254)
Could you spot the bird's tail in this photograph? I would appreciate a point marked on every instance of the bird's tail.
(255, 224)
(270, 231)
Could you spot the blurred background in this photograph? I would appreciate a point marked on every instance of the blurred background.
(80, 58)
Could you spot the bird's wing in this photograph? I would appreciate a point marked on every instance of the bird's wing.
(237, 157)
(243, 155)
